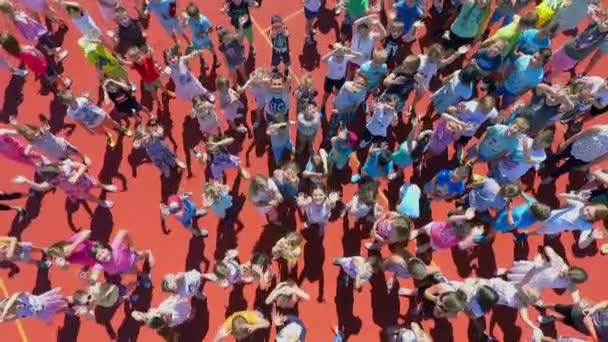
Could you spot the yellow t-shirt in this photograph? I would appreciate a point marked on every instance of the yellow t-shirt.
(102, 59)
(250, 316)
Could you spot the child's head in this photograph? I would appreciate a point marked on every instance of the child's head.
(338, 51)
(384, 158)
(111, 87)
(450, 303)
(135, 54)
(379, 56)
(29, 132)
(540, 211)
(56, 253)
(6, 7)
(294, 239)
(360, 81)
(519, 125)
(10, 44)
(470, 74)
(540, 58)
(192, 10)
(223, 35)
(368, 192)
(169, 283)
(461, 173)
(221, 271)
(486, 104)
(402, 226)
(277, 23)
(122, 17)
(417, 268)
(318, 192)
(310, 110)
(201, 104)
(240, 327)
(510, 190)
(396, 28)
(435, 52)
(102, 253)
(83, 298)
(543, 140)
(222, 83)
(172, 55)
(594, 212)
(212, 191)
(375, 262)
(411, 64)
(364, 28)
(496, 49)
(260, 75)
(528, 20)
(306, 81)
(277, 82)
(290, 171)
(486, 297)
(576, 275)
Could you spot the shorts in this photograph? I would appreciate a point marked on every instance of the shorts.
(375, 139)
(330, 85)
(248, 33)
(277, 58)
(279, 151)
(463, 141)
(171, 25)
(200, 44)
(347, 25)
(598, 111)
(454, 41)
(309, 15)
(152, 86)
(128, 107)
(559, 61)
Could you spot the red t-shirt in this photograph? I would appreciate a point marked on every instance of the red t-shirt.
(147, 70)
(33, 60)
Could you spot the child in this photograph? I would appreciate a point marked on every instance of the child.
(288, 249)
(187, 86)
(469, 25)
(231, 45)
(242, 324)
(150, 136)
(318, 206)
(309, 122)
(265, 195)
(337, 60)
(219, 157)
(473, 114)
(363, 41)
(14, 150)
(526, 73)
(342, 146)
(409, 200)
(359, 269)
(129, 34)
(257, 83)
(184, 284)
(500, 140)
(448, 184)
(280, 45)
(510, 33)
(12, 250)
(228, 271)
(217, 197)
(317, 167)
(530, 153)
(412, 148)
(311, 12)
(532, 40)
(403, 80)
(185, 211)
(286, 295)
(456, 88)
(82, 20)
(75, 250)
(277, 101)
(394, 43)
(447, 131)
(203, 111)
(456, 231)
(379, 120)
(410, 13)
(490, 61)
(105, 62)
(390, 228)
(379, 164)
(305, 93)
(149, 71)
(240, 17)
(522, 216)
(166, 11)
(170, 313)
(200, 28)
(375, 71)
(287, 180)
(94, 119)
(280, 140)
(230, 104)
(43, 306)
(72, 178)
(121, 95)
(260, 269)
(348, 101)
(363, 205)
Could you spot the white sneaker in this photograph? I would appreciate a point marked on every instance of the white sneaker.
(20, 72)
(545, 319)
(110, 187)
(106, 204)
(241, 129)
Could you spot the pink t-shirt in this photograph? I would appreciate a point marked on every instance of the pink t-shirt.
(384, 228)
(123, 259)
(82, 253)
(443, 236)
(33, 60)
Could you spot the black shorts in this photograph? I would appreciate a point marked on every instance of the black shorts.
(463, 141)
(329, 85)
(455, 41)
(375, 139)
(598, 111)
(277, 58)
(128, 107)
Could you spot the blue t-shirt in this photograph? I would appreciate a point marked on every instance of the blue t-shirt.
(449, 188)
(529, 43)
(200, 27)
(373, 169)
(410, 200)
(407, 15)
(222, 204)
(522, 217)
(161, 8)
(375, 74)
(487, 63)
(523, 77)
(189, 212)
(497, 142)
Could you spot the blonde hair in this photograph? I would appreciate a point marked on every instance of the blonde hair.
(380, 54)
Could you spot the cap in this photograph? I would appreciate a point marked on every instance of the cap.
(175, 203)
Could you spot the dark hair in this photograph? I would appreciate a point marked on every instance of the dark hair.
(260, 259)
(453, 301)
(368, 191)
(544, 54)
(49, 172)
(96, 247)
(10, 44)
(529, 19)
(384, 158)
(192, 10)
(318, 186)
(577, 275)
(487, 297)
(469, 74)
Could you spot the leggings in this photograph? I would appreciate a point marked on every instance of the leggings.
(5, 196)
(570, 164)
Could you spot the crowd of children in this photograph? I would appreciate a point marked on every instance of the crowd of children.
(501, 92)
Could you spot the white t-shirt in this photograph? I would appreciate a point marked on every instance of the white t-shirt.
(506, 290)
(87, 113)
(471, 115)
(363, 45)
(312, 5)
(380, 120)
(597, 82)
(191, 284)
(427, 70)
(54, 147)
(592, 146)
(336, 70)
(179, 308)
(568, 218)
(208, 123)
(512, 169)
(546, 276)
(87, 26)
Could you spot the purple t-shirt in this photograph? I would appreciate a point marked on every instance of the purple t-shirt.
(82, 253)
(123, 259)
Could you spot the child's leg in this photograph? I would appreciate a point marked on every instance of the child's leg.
(102, 203)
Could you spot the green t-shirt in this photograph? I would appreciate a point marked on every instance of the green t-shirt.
(357, 8)
(469, 21)
(586, 42)
(510, 35)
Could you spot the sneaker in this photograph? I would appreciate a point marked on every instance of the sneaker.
(545, 319)
(337, 261)
(20, 72)
(110, 187)
(127, 132)
(211, 97)
(337, 11)
(60, 56)
(355, 178)
(241, 129)
(201, 212)
(372, 246)
(202, 233)
(111, 142)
